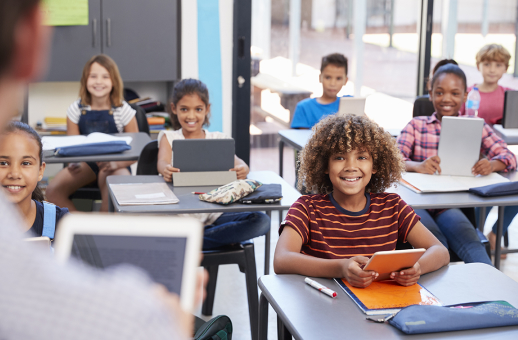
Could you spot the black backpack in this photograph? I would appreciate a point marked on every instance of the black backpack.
(217, 328)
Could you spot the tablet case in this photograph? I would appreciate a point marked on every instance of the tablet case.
(510, 114)
(351, 105)
(266, 193)
(459, 145)
(500, 189)
(93, 149)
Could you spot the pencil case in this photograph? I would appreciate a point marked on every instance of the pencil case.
(92, 149)
(499, 189)
(419, 319)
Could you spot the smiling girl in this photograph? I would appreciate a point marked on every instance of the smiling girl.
(21, 168)
(419, 142)
(100, 108)
(190, 112)
(349, 162)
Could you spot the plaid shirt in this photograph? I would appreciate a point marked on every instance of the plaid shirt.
(419, 140)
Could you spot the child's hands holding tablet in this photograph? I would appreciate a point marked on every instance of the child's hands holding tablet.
(354, 274)
(168, 172)
(407, 277)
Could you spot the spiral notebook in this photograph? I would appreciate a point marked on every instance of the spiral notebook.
(387, 297)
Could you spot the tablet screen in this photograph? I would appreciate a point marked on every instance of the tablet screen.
(161, 257)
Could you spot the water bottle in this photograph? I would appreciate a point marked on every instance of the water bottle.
(473, 102)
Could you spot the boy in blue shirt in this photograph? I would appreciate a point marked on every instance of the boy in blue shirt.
(333, 76)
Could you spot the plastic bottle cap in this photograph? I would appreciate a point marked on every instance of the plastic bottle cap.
(475, 88)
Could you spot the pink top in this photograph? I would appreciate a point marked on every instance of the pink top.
(491, 107)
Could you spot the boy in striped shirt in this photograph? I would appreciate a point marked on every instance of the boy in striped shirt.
(349, 162)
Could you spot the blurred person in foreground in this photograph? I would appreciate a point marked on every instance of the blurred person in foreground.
(40, 299)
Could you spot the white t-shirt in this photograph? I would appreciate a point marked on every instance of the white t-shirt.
(40, 299)
(122, 115)
(205, 218)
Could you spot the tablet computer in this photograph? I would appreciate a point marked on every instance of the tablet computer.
(459, 145)
(386, 262)
(352, 105)
(193, 155)
(510, 114)
(167, 248)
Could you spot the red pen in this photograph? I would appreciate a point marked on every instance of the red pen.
(198, 193)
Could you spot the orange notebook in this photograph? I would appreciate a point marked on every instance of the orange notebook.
(386, 297)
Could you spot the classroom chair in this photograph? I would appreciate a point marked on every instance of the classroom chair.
(242, 254)
(423, 106)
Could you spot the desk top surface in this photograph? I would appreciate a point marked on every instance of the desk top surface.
(462, 199)
(510, 136)
(309, 314)
(140, 139)
(190, 203)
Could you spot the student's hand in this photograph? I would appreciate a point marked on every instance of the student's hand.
(482, 167)
(107, 166)
(74, 167)
(168, 172)
(241, 171)
(429, 165)
(355, 275)
(407, 277)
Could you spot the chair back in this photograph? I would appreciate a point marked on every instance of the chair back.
(141, 117)
(148, 158)
(423, 106)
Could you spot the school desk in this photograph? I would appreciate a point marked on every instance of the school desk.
(307, 313)
(139, 140)
(190, 203)
(510, 136)
(461, 199)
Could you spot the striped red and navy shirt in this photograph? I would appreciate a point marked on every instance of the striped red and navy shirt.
(329, 231)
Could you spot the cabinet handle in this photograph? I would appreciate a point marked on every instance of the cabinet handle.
(108, 32)
(94, 31)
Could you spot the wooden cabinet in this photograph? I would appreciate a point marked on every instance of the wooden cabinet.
(141, 36)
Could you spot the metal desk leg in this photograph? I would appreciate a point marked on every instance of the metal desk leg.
(267, 247)
(282, 332)
(111, 208)
(482, 218)
(263, 318)
(281, 156)
(499, 230)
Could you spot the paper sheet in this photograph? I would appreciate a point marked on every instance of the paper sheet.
(443, 183)
(65, 12)
(143, 193)
(51, 143)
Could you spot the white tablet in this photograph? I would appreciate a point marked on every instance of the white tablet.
(42, 242)
(352, 105)
(459, 145)
(386, 262)
(167, 248)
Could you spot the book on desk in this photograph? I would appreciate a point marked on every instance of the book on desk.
(387, 297)
(423, 183)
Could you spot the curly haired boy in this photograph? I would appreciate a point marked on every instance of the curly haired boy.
(349, 162)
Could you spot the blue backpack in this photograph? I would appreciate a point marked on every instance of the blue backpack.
(49, 220)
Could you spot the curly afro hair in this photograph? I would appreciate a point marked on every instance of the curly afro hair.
(335, 134)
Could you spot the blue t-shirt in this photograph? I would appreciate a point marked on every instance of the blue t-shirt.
(309, 112)
(37, 226)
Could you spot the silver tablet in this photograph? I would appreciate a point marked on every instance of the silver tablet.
(459, 145)
(167, 248)
(386, 262)
(351, 105)
(193, 155)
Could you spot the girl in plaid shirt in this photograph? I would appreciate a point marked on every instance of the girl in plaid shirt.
(418, 143)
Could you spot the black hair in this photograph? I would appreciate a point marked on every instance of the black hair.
(336, 59)
(15, 126)
(185, 87)
(449, 69)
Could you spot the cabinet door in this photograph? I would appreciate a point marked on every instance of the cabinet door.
(142, 38)
(72, 46)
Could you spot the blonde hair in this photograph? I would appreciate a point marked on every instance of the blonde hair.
(493, 52)
(116, 95)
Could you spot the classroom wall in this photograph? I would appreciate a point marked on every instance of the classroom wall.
(207, 46)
